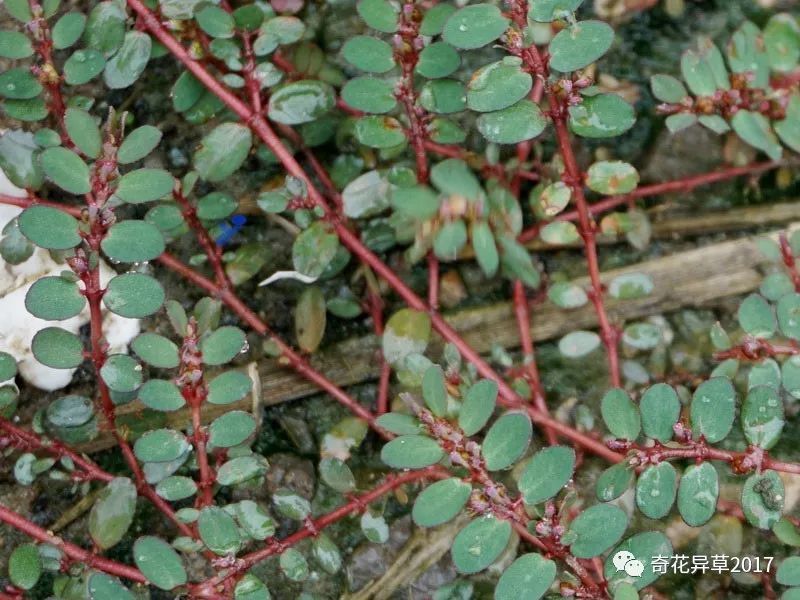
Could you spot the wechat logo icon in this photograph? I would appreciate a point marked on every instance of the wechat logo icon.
(625, 561)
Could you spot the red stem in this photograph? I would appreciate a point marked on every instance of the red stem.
(75, 553)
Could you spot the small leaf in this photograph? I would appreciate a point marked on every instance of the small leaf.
(337, 475)
(57, 348)
(644, 547)
(434, 390)
(601, 116)
(379, 132)
(713, 409)
(763, 497)
(160, 445)
(112, 513)
(133, 295)
(474, 26)
(698, 493)
(529, 576)
(231, 429)
(15, 45)
(788, 313)
(156, 350)
(517, 123)
(218, 531)
(145, 185)
(54, 299)
(242, 469)
(222, 345)
(755, 129)
(229, 387)
(379, 14)
(547, 472)
(138, 143)
(310, 318)
(479, 544)
(612, 177)
(596, 529)
(789, 571)
(223, 151)
(327, 554)
(301, 101)
(314, 249)
(506, 440)
(133, 241)
(411, 452)
(291, 505)
(369, 94)
(614, 481)
(580, 45)
(438, 60)
(129, 62)
(83, 131)
(655, 490)
(19, 84)
(762, 416)
(407, 332)
(621, 415)
(102, 586)
(578, 344)
(25, 566)
(660, 409)
(49, 227)
(440, 502)
(629, 286)
(478, 406)
(668, 89)
(368, 54)
(159, 563)
(498, 85)
(66, 170)
(161, 395)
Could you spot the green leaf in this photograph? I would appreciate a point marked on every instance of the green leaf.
(121, 373)
(789, 571)
(644, 547)
(655, 490)
(83, 66)
(133, 295)
(159, 563)
(19, 160)
(474, 26)
(529, 576)
(612, 177)
(407, 332)
(580, 45)
(301, 101)
(754, 128)
(19, 9)
(25, 566)
(478, 406)
(601, 116)
(314, 249)
(15, 45)
(614, 481)
(310, 317)
(440, 502)
(19, 84)
(450, 240)
(756, 317)
(660, 409)
(327, 554)
(434, 19)
(218, 531)
(57, 348)
(782, 42)
(223, 151)
(215, 21)
(399, 424)
(498, 85)
(125, 67)
(222, 345)
(788, 129)
(788, 313)
(145, 185)
(369, 94)
(138, 143)
(243, 469)
(156, 350)
(698, 493)
(105, 29)
(547, 472)
(621, 415)
(560, 233)
(443, 96)
(112, 513)
(507, 440)
(133, 241)
(66, 170)
(417, 201)
(54, 299)
(411, 452)
(713, 409)
(763, 497)
(630, 286)
(438, 60)
(762, 416)
(379, 14)
(161, 445)
(485, 248)
(790, 376)
(8, 366)
(578, 344)
(70, 411)
(667, 88)
(369, 54)
(229, 387)
(379, 132)
(366, 195)
(161, 395)
(68, 30)
(291, 505)
(764, 372)
(102, 587)
(522, 121)
(83, 131)
(517, 262)
(337, 475)
(479, 544)
(231, 429)
(294, 565)
(546, 11)
(434, 390)
(596, 529)
(454, 177)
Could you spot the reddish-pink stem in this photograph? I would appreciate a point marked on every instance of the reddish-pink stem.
(73, 552)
